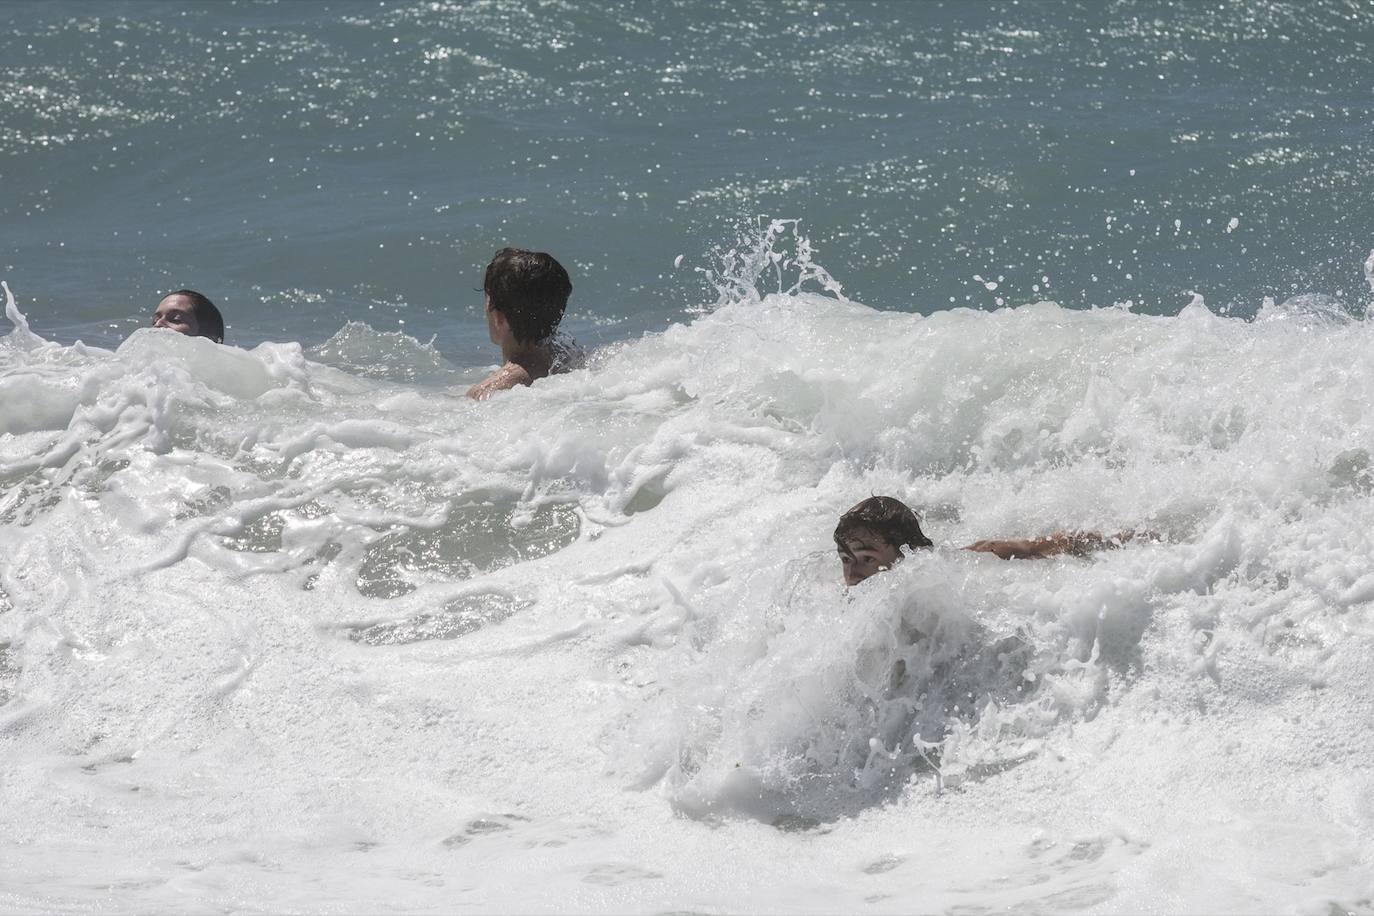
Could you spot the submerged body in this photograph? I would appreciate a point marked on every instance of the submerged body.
(526, 293)
(191, 313)
(870, 536)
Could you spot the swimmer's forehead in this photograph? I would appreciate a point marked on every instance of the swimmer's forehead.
(864, 539)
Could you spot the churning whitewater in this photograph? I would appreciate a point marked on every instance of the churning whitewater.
(287, 629)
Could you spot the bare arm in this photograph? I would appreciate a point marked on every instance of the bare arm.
(1078, 543)
(508, 376)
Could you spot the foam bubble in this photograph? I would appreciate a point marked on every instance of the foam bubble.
(362, 618)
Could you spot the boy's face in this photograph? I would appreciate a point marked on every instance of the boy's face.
(178, 313)
(863, 554)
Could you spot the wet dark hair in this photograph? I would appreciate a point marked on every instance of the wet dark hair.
(208, 319)
(888, 518)
(530, 289)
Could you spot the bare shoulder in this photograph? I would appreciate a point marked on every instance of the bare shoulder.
(508, 376)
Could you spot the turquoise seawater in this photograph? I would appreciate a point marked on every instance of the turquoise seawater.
(308, 163)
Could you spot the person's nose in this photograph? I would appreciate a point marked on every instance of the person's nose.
(158, 322)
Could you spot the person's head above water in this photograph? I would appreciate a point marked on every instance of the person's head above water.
(526, 292)
(870, 536)
(189, 312)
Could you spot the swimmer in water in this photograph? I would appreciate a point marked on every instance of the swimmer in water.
(526, 293)
(188, 312)
(871, 535)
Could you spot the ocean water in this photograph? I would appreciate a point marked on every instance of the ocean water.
(290, 625)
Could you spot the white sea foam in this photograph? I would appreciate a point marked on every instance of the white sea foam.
(274, 635)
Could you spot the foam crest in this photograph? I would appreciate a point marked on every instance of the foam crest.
(360, 349)
(819, 703)
(1307, 310)
(21, 337)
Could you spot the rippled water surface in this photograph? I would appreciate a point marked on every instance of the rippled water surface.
(308, 163)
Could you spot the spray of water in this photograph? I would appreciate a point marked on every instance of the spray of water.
(776, 259)
(21, 336)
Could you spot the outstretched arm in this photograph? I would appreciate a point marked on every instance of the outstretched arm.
(1078, 543)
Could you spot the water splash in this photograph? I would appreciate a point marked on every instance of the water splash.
(359, 348)
(773, 259)
(21, 336)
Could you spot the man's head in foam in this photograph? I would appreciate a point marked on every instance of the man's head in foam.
(870, 536)
(191, 313)
(526, 291)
